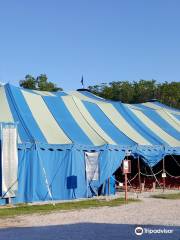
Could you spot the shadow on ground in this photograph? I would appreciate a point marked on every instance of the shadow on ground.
(86, 231)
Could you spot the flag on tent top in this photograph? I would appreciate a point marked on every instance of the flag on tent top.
(82, 82)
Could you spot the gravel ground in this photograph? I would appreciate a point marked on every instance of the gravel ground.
(97, 223)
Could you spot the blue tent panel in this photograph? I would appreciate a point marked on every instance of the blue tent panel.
(107, 125)
(66, 121)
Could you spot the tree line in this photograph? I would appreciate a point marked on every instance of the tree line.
(124, 91)
(140, 91)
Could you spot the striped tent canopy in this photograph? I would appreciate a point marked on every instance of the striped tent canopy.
(56, 132)
(81, 119)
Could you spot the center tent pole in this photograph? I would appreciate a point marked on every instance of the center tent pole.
(139, 175)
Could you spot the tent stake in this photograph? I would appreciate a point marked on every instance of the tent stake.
(139, 175)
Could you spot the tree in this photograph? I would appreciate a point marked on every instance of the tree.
(144, 90)
(123, 91)
(141, 91)
(169, 93)
(29, 82)
(39, 83)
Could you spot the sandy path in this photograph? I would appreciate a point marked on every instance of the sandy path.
(98, 223)
(148, 211)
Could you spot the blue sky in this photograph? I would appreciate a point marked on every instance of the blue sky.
(105, 40)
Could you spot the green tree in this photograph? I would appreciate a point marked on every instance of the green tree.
(144, 90)
(141, 91)
(29, 82)
(169, 93)
(123, 91)
(39, 83)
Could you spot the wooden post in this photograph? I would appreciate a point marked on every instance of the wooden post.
(126, 196)
(164, 181)
(126, 170)
(139, 175)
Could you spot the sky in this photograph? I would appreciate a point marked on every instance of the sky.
(103, 40)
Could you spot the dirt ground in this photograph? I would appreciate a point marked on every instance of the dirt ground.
(98, 223)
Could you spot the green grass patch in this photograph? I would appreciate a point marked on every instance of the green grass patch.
(64, 206)
(168, 196)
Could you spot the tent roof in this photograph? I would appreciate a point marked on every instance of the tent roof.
(83, 118)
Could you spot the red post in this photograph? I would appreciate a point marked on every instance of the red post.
(126, 170)
(126, 196)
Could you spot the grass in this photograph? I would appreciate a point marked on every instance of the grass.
(24, 209)
(168, 196)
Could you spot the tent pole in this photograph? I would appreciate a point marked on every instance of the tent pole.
(86, 186)
(164, 182)
(126, 190)
(139, 175)
(108, 186)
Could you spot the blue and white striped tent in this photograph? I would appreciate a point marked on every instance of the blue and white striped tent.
(55, 129)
